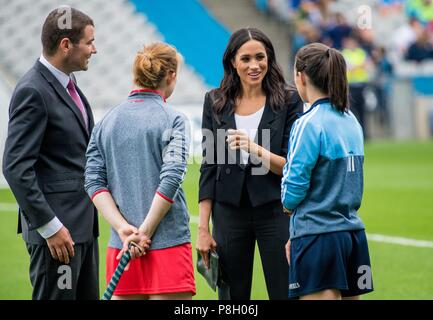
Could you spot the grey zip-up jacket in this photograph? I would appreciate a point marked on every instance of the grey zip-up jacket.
(138, 149)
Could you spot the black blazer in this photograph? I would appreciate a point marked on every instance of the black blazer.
(44, 157)
(222, 175)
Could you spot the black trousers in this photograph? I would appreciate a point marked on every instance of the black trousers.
(236, 230)
(53, 280)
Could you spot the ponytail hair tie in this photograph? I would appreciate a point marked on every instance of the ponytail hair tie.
(327, 52)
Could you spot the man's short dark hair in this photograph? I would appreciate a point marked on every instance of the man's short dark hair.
(63, 22)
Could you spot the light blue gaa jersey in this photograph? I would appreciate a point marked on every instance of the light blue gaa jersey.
(323, 177)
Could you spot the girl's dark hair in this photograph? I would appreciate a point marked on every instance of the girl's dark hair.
(230, 88)
(326, 69)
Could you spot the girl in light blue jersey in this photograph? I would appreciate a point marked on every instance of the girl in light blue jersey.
(322, 184)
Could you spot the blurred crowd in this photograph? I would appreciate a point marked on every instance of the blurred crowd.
(370, 60)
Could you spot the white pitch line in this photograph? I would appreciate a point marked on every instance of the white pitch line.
(4, 207)
(400, 241)
(11, 207)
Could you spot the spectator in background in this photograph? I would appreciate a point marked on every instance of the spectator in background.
(359, 68)
(318, 13)
(262, 5)
(365, 39)
(404, 36)
(337, 32)
(421, 49)
(390, 6)
(422, 10)
(305, 33)
(382, 82)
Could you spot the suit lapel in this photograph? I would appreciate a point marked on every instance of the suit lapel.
(228, 122)
(63, 94)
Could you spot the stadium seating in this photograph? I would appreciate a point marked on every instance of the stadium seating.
(120, 33)
(189, 26)
(5, 92)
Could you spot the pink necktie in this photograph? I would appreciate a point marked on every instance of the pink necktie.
(74, 95)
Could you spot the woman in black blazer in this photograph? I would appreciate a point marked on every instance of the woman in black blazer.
(246, 126)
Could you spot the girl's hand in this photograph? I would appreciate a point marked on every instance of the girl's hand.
(126, 230)
(141, 239)
(288, 252)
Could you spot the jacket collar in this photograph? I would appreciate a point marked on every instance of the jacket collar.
(51, 79)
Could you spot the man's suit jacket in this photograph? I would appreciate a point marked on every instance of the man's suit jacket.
(224, 176)
(44, 157)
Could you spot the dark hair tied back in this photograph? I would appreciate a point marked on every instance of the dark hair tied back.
(326, 68)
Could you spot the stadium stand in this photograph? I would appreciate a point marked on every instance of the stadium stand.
(120, 32)
(397, 36)
(122, 27)
(5, 93)
(189, 26)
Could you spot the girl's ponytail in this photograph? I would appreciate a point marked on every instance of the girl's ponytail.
(326, 69)
(338, 87)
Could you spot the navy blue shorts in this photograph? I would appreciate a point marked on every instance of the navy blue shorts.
(336, 260)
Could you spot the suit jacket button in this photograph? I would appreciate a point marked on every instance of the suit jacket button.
(228, 171)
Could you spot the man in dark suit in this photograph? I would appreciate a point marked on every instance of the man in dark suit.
(50, 121)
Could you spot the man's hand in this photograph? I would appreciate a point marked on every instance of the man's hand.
(288, 252)
(61, 245)
(205, 242)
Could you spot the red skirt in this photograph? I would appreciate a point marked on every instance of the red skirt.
(159, 271)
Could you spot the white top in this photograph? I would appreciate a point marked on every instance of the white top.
(249, 124)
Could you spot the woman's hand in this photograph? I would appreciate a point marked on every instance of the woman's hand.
(205, 243)
(126, 230)
(238, 139)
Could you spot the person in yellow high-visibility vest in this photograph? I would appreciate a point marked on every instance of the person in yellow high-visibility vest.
(359, 69)
(421, 10)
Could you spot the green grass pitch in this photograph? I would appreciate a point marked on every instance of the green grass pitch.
(398, 201)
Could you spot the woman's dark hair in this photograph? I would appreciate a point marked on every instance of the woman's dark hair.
(230, 88)
(326, 69)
